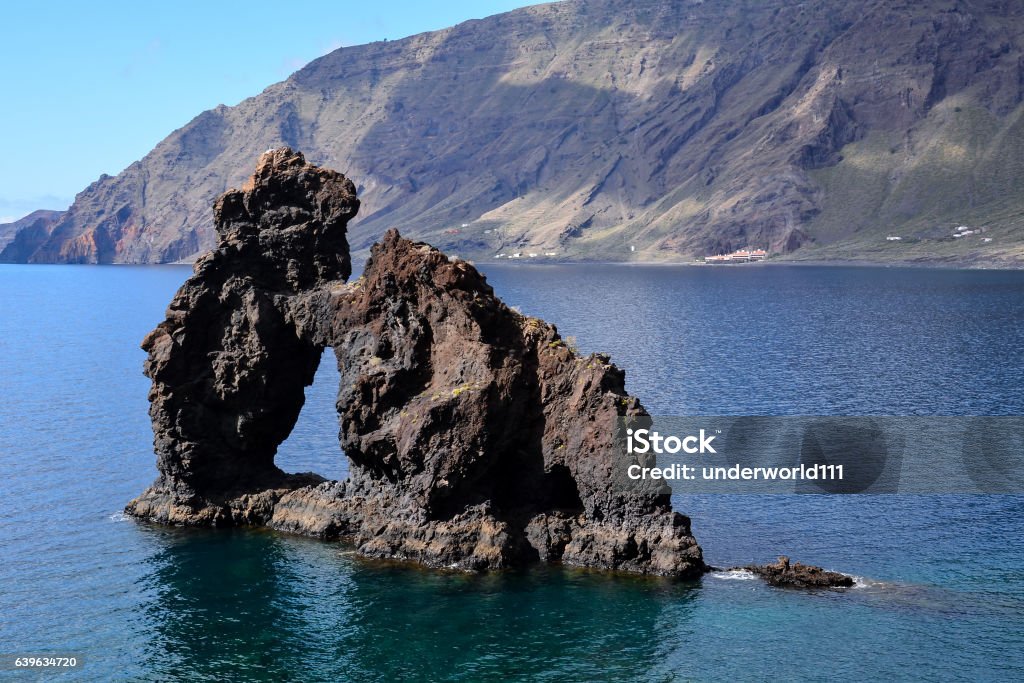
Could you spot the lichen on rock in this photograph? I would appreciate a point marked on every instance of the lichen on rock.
(476, 438)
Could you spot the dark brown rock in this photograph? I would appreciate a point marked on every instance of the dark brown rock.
(476, 437)
(796, 575)
(228, 366)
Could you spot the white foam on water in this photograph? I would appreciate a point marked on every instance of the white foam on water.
(119, 516)
(734, 575)
(864, 582)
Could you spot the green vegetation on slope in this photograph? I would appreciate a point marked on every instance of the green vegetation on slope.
(960, 166)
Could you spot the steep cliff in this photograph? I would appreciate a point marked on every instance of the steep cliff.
(614, 129)
(31, 231)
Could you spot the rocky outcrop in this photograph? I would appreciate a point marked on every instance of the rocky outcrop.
(228, 365)
(476, 437)
(795, 575)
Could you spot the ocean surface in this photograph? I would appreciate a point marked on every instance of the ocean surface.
(941, 595)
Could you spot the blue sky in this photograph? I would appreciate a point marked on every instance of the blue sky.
(89, 87)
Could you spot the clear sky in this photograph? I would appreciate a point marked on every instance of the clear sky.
(89, 87)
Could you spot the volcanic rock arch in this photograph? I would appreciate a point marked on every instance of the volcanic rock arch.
(477, 439)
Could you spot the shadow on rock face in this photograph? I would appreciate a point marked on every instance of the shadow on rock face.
(477, 438)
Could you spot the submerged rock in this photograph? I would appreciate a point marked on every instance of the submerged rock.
(796, 575)
(477, 438)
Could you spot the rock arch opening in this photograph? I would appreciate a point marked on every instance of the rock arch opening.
(313, 444)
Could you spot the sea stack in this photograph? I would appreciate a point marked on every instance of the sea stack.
(477, 438)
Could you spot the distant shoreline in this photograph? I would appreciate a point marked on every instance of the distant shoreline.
(859, 263)
(834, 263)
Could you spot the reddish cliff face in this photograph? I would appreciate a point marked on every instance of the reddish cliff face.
(587, 128)
(476, 437)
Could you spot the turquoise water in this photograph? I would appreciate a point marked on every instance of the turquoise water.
(942, 595)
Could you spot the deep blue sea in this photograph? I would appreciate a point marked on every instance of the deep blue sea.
(942, 591)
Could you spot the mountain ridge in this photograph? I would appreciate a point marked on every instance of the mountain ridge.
(34, 226)
(619, 131)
